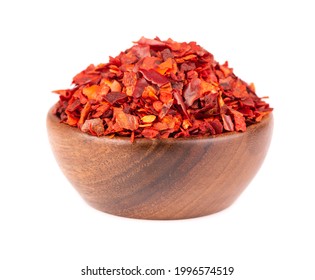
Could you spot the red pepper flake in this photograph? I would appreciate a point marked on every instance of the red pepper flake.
(84, 112)
(93, 126)
(114, 96)
(126, 121)
(149, 133)
(154, 77)
(160, 89)
(227, 122)
(217, 125)
(139, 87)
(192, 91)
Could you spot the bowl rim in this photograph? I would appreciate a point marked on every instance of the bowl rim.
(124, 139)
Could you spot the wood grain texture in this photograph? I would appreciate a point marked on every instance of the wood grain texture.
(159, 179)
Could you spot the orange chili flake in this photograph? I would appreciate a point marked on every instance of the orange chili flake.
(160, 89)
(148, 118)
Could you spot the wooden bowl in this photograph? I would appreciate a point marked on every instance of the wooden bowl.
(159, 179)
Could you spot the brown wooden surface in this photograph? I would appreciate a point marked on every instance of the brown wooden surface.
(159, 179)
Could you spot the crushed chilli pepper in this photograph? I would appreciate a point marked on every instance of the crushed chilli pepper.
(160, 89)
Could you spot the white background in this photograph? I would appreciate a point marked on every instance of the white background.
(48, 232)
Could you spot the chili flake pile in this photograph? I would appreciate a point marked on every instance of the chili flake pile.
(160, 89)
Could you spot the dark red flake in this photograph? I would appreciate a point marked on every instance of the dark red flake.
(192, 92)
(154, 77)
(113, 97)
(139, 88)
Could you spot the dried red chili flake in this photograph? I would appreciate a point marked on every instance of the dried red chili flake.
(160, 89)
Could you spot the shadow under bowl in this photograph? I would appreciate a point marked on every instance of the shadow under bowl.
(160, 179)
